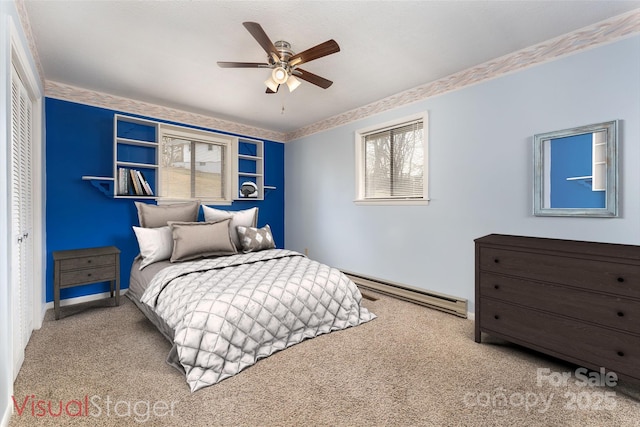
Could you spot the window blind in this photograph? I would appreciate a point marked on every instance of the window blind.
(394, 162)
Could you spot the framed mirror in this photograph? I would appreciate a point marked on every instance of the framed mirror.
(576, 171)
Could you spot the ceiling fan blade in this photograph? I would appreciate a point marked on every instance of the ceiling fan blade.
(312, 78)
(263, 39)
(323, 49)
(223, 64)
(270, 91)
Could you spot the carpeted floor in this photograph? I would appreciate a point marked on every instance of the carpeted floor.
(411, 366)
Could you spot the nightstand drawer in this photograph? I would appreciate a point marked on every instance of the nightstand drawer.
(87, 262)
(88, 275)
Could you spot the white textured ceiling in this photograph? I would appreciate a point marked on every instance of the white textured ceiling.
(165, 52)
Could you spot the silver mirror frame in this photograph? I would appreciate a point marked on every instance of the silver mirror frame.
(539, 141)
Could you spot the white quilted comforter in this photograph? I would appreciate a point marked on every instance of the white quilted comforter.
(231, 311)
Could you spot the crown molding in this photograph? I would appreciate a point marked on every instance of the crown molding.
(603, 32)
(112, 102)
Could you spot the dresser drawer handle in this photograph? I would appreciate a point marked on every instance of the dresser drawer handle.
(88, 274)
(497, 317)
(496, 286)
(620, 314)
(620, 279)
(89, 261)
(621, 353)
(496, 260)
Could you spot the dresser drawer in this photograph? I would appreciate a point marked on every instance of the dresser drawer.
(87, 275)
(602, 309)
(612, 277)
(87, 262)
(591, 346)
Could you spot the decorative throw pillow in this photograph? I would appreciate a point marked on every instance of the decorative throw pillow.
(246, 218)
(193, 240)
(255, 239)
(152, 216)
(156, 244)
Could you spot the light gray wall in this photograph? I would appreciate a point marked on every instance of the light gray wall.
(480, 178)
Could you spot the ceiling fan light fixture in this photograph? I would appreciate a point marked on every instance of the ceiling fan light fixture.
(279, 75)
(271, 84)
(292, 83)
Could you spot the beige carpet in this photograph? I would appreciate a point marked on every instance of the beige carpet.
(411, 366)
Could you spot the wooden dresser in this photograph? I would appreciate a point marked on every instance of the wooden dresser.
(577, 301)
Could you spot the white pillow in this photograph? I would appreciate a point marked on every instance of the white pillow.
(246, 218)
(156, 244)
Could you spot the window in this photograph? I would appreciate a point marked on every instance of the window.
(195, 164)
(391, 162)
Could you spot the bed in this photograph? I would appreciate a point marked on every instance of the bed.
(224, 309)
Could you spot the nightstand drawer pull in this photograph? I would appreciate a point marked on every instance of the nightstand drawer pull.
(620, 279)
(620, 314)
(621, 353)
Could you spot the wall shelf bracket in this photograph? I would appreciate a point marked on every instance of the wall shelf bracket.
(102, 183)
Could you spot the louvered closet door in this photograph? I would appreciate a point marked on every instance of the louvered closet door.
(21, 218)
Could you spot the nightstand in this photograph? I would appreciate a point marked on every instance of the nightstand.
(85, 266)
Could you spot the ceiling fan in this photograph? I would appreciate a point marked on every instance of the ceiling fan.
(284, 62)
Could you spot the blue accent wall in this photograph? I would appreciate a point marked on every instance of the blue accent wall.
(79, 142)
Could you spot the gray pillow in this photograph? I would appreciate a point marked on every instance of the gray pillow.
(153, 216)
(255, 239)
(246, 218)
(193, 240)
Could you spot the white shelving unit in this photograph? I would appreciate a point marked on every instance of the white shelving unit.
(136, 146)
(251, 166)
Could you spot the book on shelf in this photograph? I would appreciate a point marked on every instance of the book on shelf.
(131, 182)
(137, 185)
(123, 182)
(144, 183)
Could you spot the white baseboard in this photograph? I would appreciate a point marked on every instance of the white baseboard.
(447, 303)
(471, 315)
(84, 298)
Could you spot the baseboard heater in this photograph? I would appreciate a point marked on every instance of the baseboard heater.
(447, 303)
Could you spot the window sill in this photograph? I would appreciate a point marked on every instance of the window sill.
(391, 202)
(167, 201)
